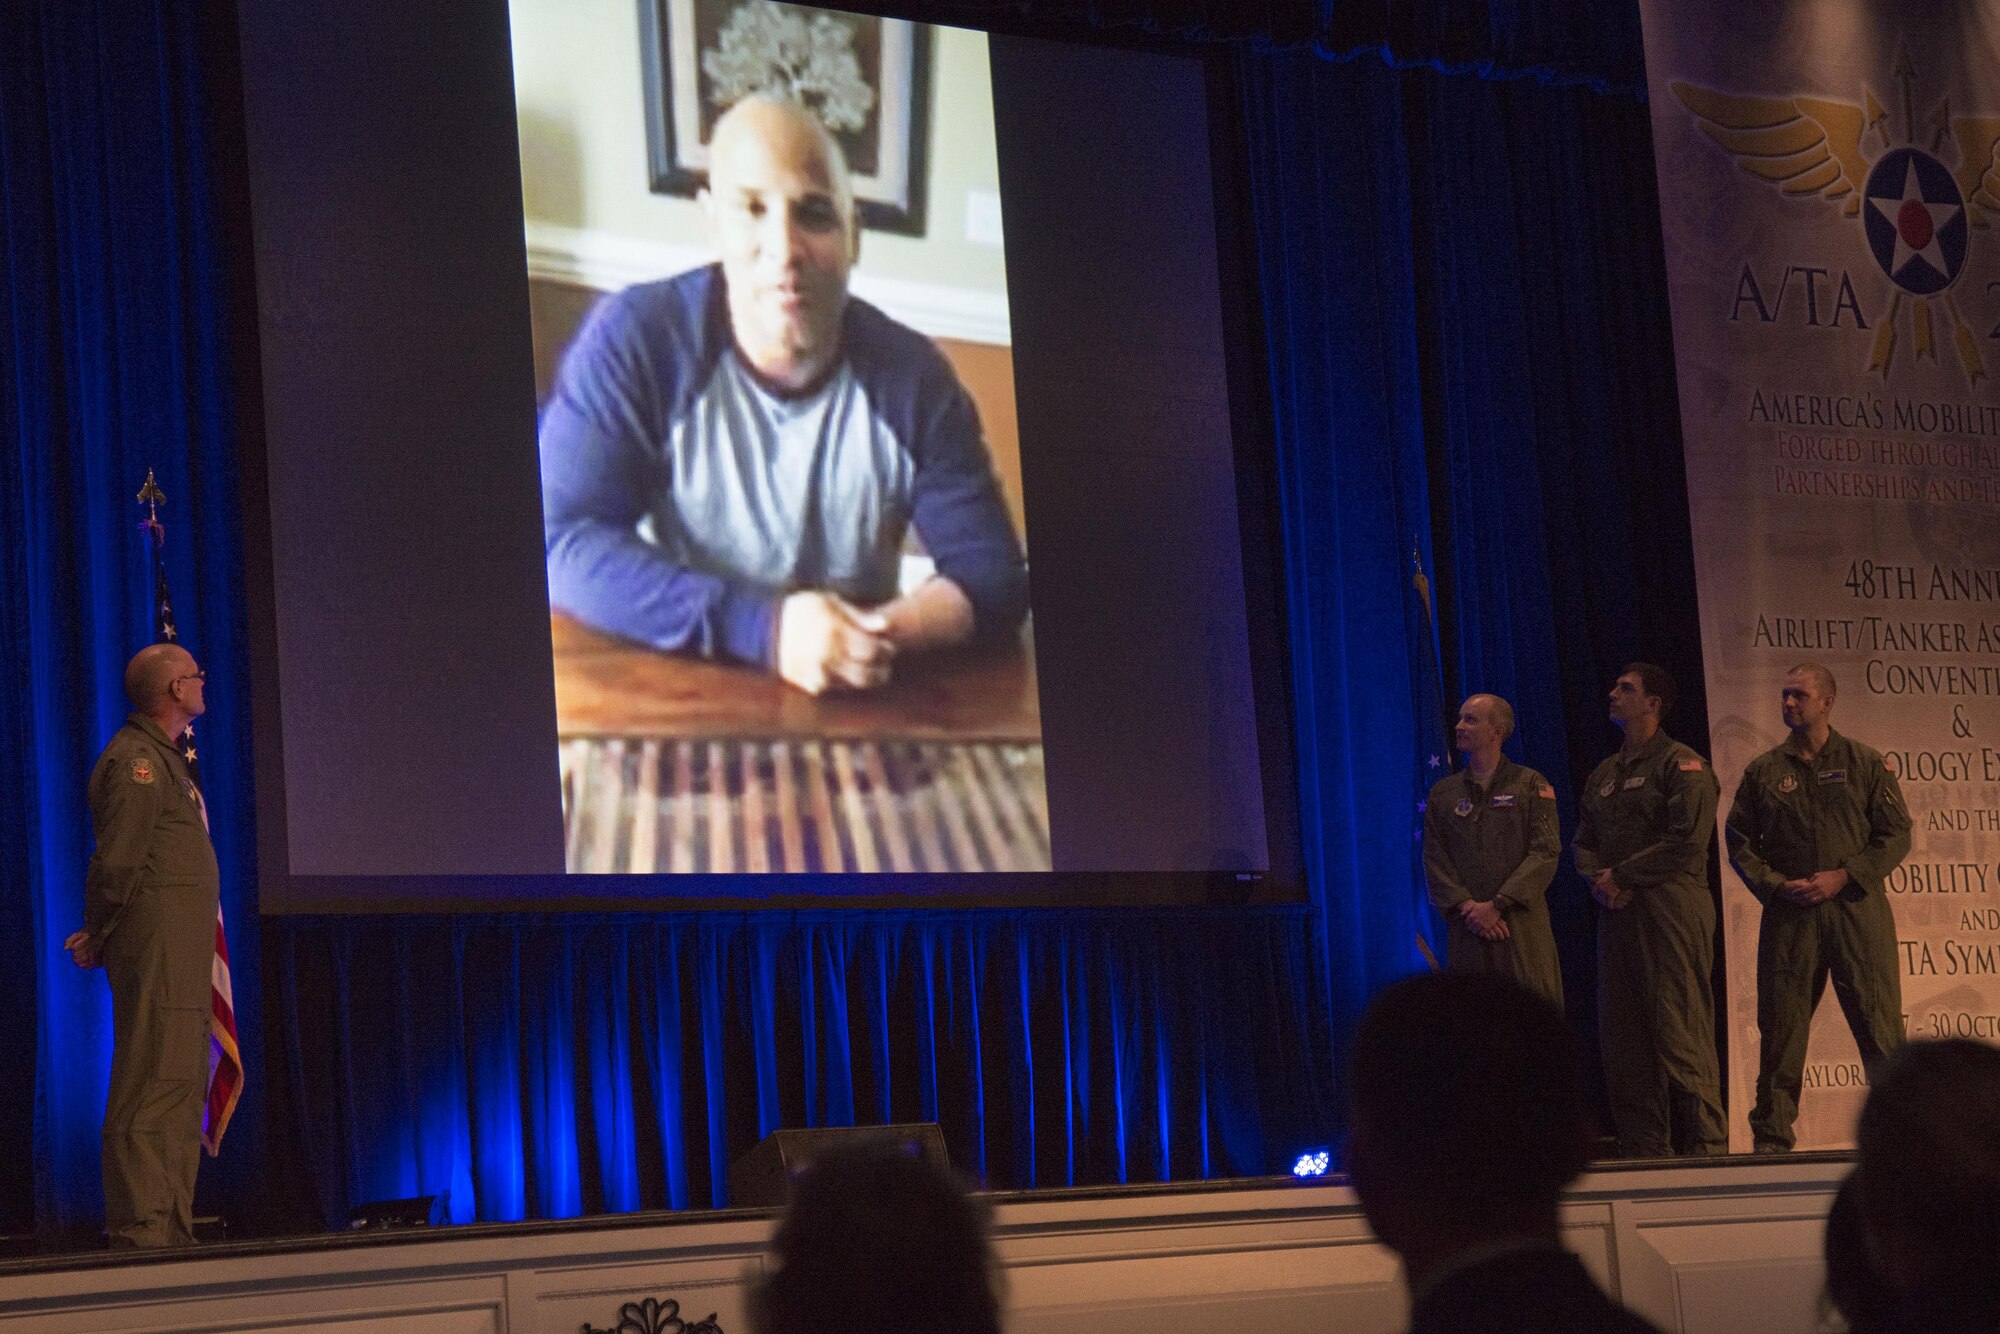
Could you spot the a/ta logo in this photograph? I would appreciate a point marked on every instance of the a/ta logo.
(1915, 218)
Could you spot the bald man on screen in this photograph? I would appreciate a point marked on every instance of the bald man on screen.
(731, 458)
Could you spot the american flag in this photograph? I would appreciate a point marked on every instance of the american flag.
(225, 1060)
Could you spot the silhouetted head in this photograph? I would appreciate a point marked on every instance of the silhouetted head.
(879, 1241)
(1468, 1104)
(1927, 1179)
(1853, 1288)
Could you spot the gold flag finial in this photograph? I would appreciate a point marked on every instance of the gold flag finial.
(152, 497)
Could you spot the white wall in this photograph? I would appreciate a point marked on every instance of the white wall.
(591, 218)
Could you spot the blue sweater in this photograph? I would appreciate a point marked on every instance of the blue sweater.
(682, 500)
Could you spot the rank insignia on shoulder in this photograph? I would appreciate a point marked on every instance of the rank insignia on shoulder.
(1834, 776)
(142, 770)
(1503, 801)
(1464, 806)
(1636, 780)
(1607, 787)
(1547, 791)
(1788, 783)
(1691, 765)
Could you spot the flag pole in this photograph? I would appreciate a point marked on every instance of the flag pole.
(1431, 755)
(225, 1056)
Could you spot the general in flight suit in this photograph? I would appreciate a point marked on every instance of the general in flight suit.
(1497, 844)
(1841, 810)
(150, 902)
(1649, 815)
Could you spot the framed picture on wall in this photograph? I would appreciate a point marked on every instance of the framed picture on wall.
(867, 78)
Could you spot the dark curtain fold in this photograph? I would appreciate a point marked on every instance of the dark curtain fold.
(552, 1067)
(1593, 42)
(1471, 360)
(1551, 406)
(119, 359)
(1332, 211)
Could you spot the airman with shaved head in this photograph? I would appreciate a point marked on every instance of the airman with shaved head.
(1817, 825)
(149, 903)
(1490, 849)
(731, 458)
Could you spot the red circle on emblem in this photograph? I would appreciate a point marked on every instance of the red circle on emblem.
(1913, 224)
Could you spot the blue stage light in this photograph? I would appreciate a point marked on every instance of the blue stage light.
(1312, 1163)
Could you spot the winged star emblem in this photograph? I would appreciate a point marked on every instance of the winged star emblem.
(1917, 214)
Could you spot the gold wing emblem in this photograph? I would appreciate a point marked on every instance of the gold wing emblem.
(1802, 145)
(1978, 164)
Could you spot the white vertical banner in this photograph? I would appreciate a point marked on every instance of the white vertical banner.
(1829, 178)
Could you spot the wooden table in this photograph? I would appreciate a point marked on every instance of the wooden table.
(612, 687)
(674, 764)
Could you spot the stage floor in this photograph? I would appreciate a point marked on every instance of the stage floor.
(1702, 1247)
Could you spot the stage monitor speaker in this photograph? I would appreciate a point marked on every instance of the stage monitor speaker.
(417, 1211)
(762, 1177)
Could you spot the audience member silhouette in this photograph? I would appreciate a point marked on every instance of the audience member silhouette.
(1855, 1294)
(1469, 1119)
(879, 1241)
(1913, 1244)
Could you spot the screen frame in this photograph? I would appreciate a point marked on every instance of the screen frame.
(1268, 640)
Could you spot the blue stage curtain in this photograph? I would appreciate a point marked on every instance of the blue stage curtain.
(115, 357)
(1595, 42)
(1466, 315)
(1330, 197)
(1551, 408)
(552, 1067)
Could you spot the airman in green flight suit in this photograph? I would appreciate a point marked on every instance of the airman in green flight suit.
(149, 920)
(1817, 825)
(1646, 818)
(1490, 849)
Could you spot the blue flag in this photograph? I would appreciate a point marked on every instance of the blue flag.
(1434, 752)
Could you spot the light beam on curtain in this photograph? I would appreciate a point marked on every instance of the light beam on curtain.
(117, 336)
(486, 1055)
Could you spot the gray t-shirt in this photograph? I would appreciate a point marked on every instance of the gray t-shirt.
(785, 493)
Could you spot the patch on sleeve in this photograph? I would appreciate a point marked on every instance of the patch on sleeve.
(1548, 791)
(142, 770)
(1691, 765)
